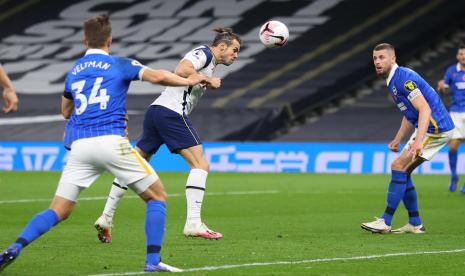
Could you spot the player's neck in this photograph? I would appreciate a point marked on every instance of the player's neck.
(106, 49)
(215, 60)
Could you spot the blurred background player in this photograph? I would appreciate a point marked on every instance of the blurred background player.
(454, 79)
(166, 122)
(423, 110)
(9, 94)
(95, 101)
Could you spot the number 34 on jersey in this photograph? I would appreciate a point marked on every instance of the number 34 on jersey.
(97, 95)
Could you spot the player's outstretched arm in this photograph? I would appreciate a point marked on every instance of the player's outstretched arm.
(167, 78)
(9, 93)
(185, 68)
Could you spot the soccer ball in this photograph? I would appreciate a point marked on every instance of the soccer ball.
(274, 34)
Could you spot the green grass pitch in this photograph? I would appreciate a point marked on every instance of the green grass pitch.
(265, 219)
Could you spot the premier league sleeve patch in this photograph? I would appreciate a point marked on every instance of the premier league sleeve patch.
(412, 89)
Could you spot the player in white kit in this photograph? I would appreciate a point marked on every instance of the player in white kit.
(166, 122)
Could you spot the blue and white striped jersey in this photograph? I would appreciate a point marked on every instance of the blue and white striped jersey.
(404, 85)
(455, 79)
(98, 84)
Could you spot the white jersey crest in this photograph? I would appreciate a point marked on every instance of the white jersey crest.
(183, 99)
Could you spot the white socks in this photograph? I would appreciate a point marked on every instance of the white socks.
(195, 190)
(116, 194)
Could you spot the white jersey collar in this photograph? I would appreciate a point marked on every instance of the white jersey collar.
(391, 74)
(95, 51)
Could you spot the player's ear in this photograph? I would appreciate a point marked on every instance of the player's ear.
(109, 41)
(223, 46)
(85, 42)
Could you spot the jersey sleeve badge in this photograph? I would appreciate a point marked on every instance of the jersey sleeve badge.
(412, 89)
(410, 85)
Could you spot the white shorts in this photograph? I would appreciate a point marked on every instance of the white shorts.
(90, 157)
(432, 143)
(459, 121)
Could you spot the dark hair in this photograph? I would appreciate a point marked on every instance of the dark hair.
(462, 46)
(97, 30)
(225, 35)
(384, 46)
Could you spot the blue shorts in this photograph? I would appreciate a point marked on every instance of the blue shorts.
(164, 126)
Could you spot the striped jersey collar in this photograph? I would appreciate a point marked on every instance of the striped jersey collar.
(213, 55)
(391, 74)
(95, 51)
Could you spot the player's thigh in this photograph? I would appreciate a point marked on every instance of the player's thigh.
(150, 140)
(403, 161)
(155, 191)
(432, 143)
(176, 130)
(62, 206)
(459, 121)
(127, 165)
(80, 171)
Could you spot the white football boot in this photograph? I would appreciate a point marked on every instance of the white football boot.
(376, 226)
(409, 228)
(201, 231)
(103, 226)
(161, 267)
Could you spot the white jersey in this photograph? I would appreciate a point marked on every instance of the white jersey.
(183, 99)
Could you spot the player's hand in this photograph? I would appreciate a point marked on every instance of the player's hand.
(194, 79)
(441, 86)
(214, 83)
(416, 148)
(394, 145)
(11, 100)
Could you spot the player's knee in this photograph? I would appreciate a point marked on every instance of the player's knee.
(453, 148)
(156, 191)
(62, 214)
(396, 165)
(201, 164)
(162, 196)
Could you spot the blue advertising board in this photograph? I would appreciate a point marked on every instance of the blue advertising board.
(242, 157)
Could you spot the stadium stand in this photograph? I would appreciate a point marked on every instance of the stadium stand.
(371, 108)
(266, 94)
